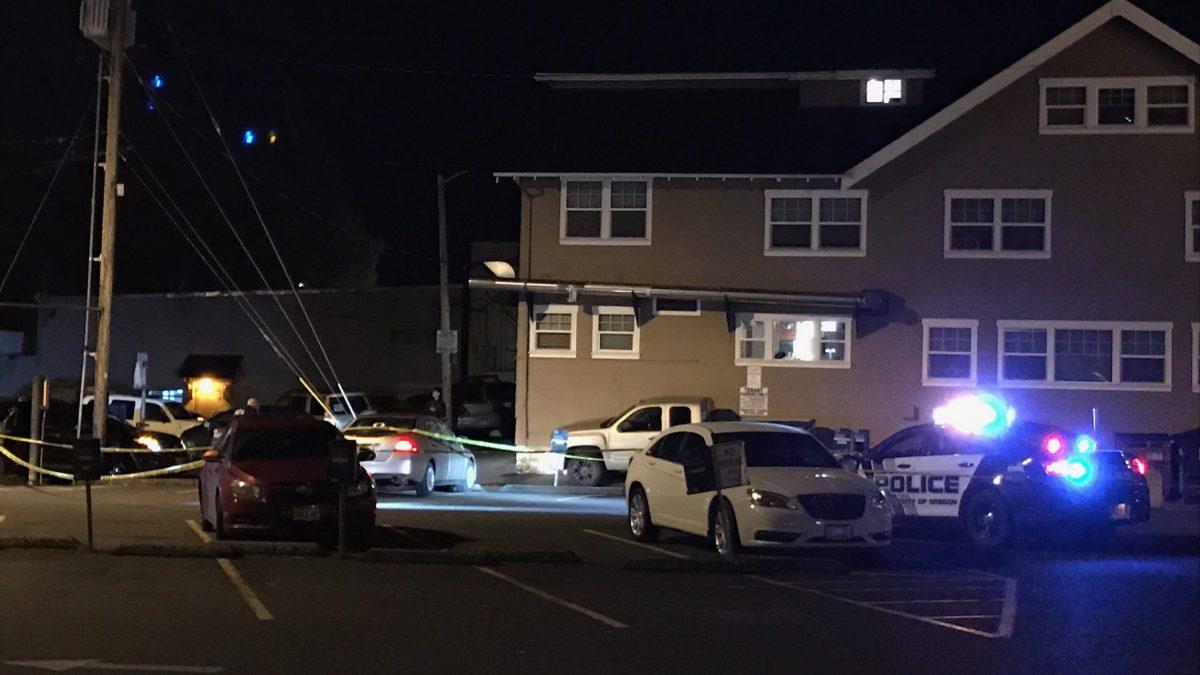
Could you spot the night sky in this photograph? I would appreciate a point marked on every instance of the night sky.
(370, 100)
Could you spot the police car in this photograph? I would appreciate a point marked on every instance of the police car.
(1001, 478)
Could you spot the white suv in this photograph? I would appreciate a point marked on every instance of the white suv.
(797, 494)
(167, 417)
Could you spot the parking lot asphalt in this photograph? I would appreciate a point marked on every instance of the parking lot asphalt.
(934, 603)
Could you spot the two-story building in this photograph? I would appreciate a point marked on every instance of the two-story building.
(858, 245)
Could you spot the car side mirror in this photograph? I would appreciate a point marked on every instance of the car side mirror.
(366, 455)
(625, 427)
(211, 455)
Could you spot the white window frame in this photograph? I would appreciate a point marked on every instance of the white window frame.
(929, 381)
(1196, 357)
(997, 196)
(899, 100)
(1114, 326)
(815, 251)
(769, 328)
(573, 310)
(597, 352)
(1189, 231)
(676, 312)
(606, 210)
(1091, 107)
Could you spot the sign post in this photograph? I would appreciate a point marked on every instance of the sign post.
(343, 466)
(88, 462)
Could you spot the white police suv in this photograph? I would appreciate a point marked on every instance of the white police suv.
(1001, 478)
(794, 493)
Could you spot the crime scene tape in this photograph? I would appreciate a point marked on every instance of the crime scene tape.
(492, 445)
(114, 450)
(165, 471)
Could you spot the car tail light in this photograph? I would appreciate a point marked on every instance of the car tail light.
(406, 444)
(1139, 465)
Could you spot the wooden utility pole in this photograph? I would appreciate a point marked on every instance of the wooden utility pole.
(118, 14)
(444, 278)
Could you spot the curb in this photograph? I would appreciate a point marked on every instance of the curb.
(757, 566)
(60, 544)
(451, 557)
(616, 490)
(281, 548)
(211, 550)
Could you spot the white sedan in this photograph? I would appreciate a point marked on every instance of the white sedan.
(412, 450)
(797, 495)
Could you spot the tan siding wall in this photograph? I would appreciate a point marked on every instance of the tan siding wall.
(1117, 240)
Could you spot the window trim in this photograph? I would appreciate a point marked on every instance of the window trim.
(740, 331)
(816, 196)
(1114, 326)
(1189, 230)
(1196, 357)
(997, 226)
(1091, 104)
(675, 312)
(534, 351)
(597, 352)
(606, 210)
(929, 381)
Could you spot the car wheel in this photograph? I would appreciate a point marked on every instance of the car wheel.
(470, 476)
(428, 481)
(585, 471)
(725, 531)
(205, 524)
(640, 525)
(988, 520)
(219, 517)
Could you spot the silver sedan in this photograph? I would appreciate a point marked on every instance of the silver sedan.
(412, 451)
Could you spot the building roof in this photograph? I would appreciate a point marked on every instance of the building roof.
(725, 110)
(220, 366)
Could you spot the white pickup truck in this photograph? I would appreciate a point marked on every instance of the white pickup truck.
(615, 439)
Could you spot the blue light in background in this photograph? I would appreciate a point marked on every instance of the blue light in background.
(248, 137)
(1084, 444)
(157, 81)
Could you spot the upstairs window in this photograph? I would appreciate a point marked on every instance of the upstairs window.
(552, 331)
(792, 340)
(883, 91)
(1085, 355)
(997, 223)
(1191, 225)
(815, 223)
(615, 333)
(1117, 105)
(605, 211)
(950, 352)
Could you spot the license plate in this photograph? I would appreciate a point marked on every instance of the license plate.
(837, 532)
(306, 513)
(1119, 512)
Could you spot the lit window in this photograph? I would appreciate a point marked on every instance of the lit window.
(949, 352)
(615, 333)
(815, 223)
(883, 91)
(605, 211)
(1117, 105)
(552, 331)
(997, 223)
(786, 340)
(1191, 225)
(1085, 355)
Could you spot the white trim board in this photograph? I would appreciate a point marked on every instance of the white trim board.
(994, 84)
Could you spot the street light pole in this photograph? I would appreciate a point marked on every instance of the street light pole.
(444, 295)
(118, 13)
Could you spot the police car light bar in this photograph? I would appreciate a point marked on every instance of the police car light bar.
(975, 414)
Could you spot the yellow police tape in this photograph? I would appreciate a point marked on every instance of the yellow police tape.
(165, 471)
(115, 450)
(520, 449)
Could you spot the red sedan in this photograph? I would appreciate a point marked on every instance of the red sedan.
(271, 476)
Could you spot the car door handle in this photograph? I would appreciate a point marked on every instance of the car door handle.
(904, 466)
(966, 465)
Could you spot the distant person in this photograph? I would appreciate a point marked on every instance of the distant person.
(251, 407)
(436, 406)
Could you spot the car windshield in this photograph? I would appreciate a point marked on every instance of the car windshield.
(780, 448)
(284, 443)
(381, 422)
(178, 411)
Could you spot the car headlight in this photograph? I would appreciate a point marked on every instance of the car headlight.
(879, 499)
(246, 490)
(149, 442)
(362, 487)
(770, 500)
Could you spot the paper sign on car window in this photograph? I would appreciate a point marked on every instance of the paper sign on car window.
(730, 462)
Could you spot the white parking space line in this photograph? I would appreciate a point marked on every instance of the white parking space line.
(936, 602)
(235, 577)
(577, 497)
(885, 610)
(1008, 615)
(608, 621)
(651, 547)
(966, 616)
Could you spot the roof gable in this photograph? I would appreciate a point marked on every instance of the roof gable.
(996, 83)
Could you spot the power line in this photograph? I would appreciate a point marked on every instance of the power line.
(45, 195)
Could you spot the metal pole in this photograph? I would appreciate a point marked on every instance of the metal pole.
(118, 13)
(91, 254)
(444, 295)
(35, 428)
(87, 490)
